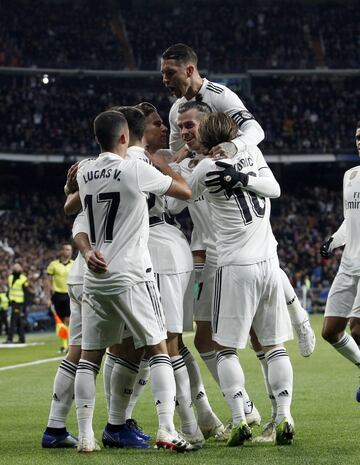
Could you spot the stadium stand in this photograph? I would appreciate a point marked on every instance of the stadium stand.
(257, 35)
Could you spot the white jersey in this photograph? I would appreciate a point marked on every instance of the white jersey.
(241, 221)
(76, 275)
(200, 215)
(113, 196)
(169, 249)
(350, 261)
(221, 99)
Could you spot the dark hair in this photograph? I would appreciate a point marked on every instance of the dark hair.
(201, 107)
(182, 53)
(147, 108)
(216, 128)
(107, 128)
(358, 125)
(135, 119)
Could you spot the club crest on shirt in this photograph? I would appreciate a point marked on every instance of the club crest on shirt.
(353, 175)
(192, 164)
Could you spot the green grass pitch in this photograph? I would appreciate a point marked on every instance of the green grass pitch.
(326, 414)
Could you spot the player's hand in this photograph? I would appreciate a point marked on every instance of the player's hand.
(326, 250)
(157, 159)
(71, 183)
(95, 261)
(226, 179)
(224, 150)
(181, 154)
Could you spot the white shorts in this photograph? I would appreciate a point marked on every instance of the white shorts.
(344, 297)
(172, 289)
(139, 307)
(188, 319)
(250, 295)
(75, 327)
(203, 303)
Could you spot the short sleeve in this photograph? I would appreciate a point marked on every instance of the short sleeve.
(152, 180)
(51, 268)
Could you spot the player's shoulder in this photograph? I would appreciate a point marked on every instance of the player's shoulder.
(214, 88)
(354, 171)
(175, 106)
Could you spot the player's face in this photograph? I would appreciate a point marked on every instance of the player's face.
(155, 135)
(176, 77)
(357, 140)
(189, 123)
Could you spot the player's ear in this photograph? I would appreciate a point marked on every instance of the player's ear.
(123, 139)
(190, 70)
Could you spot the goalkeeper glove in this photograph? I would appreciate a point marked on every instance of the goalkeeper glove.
(326, 249)
(226, 179)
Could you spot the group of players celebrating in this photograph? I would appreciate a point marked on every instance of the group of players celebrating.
(131, 287)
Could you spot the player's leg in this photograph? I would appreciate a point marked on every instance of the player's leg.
(299, 318)
(203, 337)
(118, 432)
(209, 423)
(355, 329)
(231, 325)
(172, 290)
(342, 298)
(272, 327)
(56, 434)
(143, 315)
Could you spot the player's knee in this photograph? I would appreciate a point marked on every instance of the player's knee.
(355, 333)
(329, 335)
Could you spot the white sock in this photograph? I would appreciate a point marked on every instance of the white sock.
(183, 396)
(108, 366)
(264, 367)
(122, 383)
(139, 386)
(164, 390)
(297, 314)
(232, 382)
(280, 376)
(63, 394)
(210, 361)
(348, 348)
(198, 393)
(85, 392)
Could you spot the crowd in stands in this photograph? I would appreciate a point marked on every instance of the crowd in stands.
(298, 114)
(230, 35)
(33, 227)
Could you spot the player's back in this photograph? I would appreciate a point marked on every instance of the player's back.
(117, 217)
(241, 220)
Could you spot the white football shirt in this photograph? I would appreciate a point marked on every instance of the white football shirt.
(76, 275)
(199, 211)
(220, 98)
(169, 249)
(350, 261)
(241, 221)
(113, 196)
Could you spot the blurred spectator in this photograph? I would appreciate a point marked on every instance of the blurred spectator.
(298, 114)
(229, 35)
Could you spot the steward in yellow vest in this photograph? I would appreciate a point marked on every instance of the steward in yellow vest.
(17, 294)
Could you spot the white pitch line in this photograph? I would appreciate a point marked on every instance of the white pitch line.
(29, 364)
(54, 359)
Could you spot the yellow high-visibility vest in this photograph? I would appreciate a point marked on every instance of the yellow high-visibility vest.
(16, 288)
(4, 301)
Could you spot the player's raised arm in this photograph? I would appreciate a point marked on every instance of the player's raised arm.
(178, 187)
